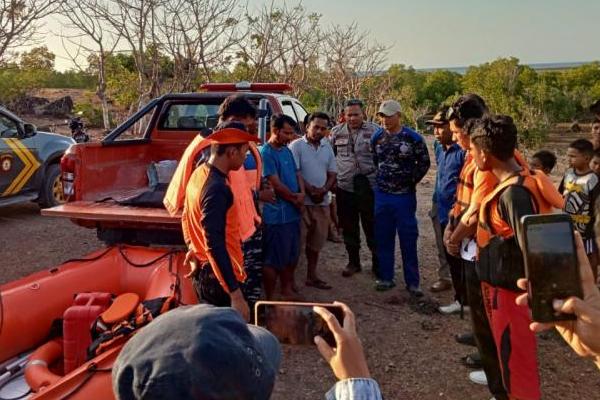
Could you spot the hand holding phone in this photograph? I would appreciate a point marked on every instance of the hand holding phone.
(348, 359)
(295, 322)
(582, 333)
(551, 265)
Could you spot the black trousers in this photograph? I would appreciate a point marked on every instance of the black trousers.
(483, 332)
(355, 209)
(209, 290)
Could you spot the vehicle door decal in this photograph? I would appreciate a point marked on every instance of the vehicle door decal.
(31, 164)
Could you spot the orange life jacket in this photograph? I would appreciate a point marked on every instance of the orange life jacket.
(242, 183)
(500, 259)
(464, 188)
(107, 335)
(195, 235)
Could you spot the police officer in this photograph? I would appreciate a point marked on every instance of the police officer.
(356, 176)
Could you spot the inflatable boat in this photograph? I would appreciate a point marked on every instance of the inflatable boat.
(61, 329)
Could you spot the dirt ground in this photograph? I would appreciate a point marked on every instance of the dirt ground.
(411, 354)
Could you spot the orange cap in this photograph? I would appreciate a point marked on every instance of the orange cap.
(231, 136)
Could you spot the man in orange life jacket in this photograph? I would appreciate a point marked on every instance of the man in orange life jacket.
(245, 183)
(210, 220)
(499, 241)
(459, 239)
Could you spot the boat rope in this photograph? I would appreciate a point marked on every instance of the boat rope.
(91, 370)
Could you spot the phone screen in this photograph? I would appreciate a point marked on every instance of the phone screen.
(552, 268)
(296, 323)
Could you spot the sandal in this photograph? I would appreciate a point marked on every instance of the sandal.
(319, 284)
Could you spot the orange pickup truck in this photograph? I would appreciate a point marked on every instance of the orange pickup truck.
(62, 328)
(102, 180)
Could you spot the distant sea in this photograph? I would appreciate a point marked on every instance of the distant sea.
(536, 66)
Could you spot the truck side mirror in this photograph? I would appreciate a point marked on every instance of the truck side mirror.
(29, 130)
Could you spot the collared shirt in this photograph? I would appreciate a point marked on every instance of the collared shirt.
(402, 160)
(314, 163)
(355, 389)
(449, 164)
(280, 162)
(354, 154)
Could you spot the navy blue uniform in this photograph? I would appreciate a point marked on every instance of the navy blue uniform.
(402, 160)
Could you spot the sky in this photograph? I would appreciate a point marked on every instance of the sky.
(436, 33)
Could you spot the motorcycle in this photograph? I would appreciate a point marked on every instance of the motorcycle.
(78, 130)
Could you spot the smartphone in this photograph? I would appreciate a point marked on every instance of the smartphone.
(551, 265)
(296, 323)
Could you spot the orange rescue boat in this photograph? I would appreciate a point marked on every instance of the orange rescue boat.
(48, 319)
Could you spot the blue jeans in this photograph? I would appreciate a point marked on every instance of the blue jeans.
(396, 213)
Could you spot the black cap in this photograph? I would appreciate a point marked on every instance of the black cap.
(439, 119)
(198, 352)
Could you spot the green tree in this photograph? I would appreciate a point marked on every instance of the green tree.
(38, 58)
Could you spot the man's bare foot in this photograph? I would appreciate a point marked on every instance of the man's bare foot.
(291, 296)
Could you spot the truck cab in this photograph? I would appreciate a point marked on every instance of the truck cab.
(100, 179)
(29, 162)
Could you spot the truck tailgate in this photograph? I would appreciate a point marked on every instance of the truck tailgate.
(105, 211)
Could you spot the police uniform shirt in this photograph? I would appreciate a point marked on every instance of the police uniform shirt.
(353, 153)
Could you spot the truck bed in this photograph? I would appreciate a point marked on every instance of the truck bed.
(113, 212)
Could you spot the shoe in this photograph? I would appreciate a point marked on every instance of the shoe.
(466, 338)
(478, 377)
(441, 285)
(350, 270)
(415, 291)
(382, 286)
(452, 308)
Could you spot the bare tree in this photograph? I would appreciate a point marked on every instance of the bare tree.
(84, 18)
(264, 41)
(199, 35)
(300, 48)
(352, 61)
(135, 21)
(282, 43)
(20, 21)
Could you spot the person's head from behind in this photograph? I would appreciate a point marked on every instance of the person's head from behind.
(354, 114)
(596, 129)
(543, 160)
(198, 352)
(230, 145)
(467, 107)
(283, 129)
(318, 124)
(595, 162)
(493, 140)
(579, 154)
(390, 113)
(441, 128)
(238, 108)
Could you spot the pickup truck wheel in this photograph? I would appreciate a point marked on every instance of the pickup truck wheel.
(52, 190)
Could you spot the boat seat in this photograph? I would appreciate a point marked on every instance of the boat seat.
(121, 308)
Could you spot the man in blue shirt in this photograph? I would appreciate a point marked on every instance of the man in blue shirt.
(402, 160)
(449, 158)
(282, 218)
